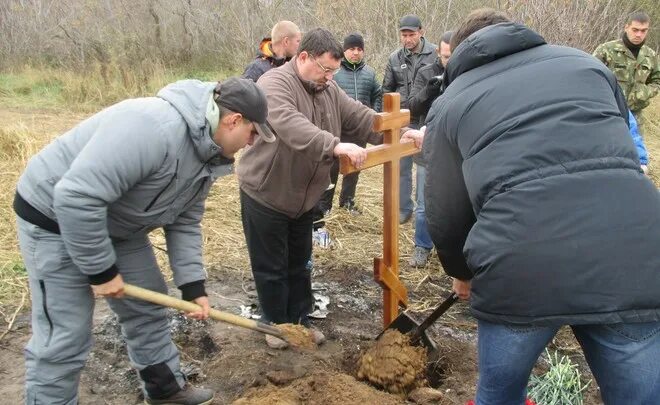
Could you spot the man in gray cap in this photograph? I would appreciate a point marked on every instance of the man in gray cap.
(400, 73)
(86, 204)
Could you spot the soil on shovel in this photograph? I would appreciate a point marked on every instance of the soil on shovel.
(393, 364)
(297, 336)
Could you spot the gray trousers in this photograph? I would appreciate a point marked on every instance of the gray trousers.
(62, 310)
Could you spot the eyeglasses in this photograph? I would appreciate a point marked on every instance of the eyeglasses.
(327, 70)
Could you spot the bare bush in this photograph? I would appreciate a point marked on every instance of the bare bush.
(127, 35)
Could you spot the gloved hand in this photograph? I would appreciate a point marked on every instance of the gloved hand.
(435, 81)
(433, 87)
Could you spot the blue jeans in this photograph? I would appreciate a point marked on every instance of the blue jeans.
(406, 205)
(422, 237)
(624, 359)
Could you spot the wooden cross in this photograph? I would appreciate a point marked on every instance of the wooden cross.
(386, 269)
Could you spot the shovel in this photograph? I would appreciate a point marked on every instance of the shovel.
(405, 324)
(186, 306)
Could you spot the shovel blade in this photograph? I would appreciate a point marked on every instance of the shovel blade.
(406, 324)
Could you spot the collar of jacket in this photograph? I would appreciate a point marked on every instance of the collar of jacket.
(352, 66)
(488, 45)
(426, 49)
(630, 46)
(309, 86)
(265, 51)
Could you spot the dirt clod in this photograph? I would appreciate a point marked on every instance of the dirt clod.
(392, 363)
(297, 335)
(321, 388)
(427, 395)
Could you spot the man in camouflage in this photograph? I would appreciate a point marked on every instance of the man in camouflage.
(634, 64)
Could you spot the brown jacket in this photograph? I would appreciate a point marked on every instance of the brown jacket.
(290, 174)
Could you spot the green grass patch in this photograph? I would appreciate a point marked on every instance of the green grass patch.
(561, 385)
(96, 87)
(30, 88)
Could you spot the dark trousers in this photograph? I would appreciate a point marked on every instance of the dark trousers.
(279, 248)
(348, 185)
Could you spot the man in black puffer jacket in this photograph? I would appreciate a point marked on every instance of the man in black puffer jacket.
(538, 208)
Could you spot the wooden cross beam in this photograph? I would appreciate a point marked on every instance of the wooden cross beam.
(386, 269)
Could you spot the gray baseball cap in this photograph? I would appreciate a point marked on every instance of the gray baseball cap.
(410, 22)
(245, 97)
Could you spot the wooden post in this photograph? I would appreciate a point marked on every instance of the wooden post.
(386, 269)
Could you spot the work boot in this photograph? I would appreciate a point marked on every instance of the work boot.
(276, 343)
(188, 395)
(419, 257)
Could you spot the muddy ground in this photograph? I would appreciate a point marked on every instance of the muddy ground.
(237, 363)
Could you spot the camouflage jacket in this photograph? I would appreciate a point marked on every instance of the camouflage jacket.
(639, 78)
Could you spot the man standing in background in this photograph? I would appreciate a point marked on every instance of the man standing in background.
(274, 51)
(634, 64)
(426, 89)
(400, 72)
(359, 82)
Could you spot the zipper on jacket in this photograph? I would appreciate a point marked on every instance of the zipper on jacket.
(355, 84)
(176, 171)
(42, 285)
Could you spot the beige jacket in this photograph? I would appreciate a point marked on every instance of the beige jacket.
(290, 174)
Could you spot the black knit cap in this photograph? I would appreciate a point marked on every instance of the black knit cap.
(353, 40)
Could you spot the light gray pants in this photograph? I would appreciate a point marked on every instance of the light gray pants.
(62, 309)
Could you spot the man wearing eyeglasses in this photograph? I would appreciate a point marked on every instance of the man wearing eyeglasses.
(281, 182)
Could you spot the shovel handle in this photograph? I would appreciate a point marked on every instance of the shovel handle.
(187, 306)
(441, 309)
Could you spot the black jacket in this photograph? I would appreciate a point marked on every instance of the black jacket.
(424, 92)
(534, 189)
(401, 70)
(264, 61)
(359, 82)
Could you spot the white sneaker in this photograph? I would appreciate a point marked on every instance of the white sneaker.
(321, 238)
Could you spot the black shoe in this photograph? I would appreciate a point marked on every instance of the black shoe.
(349, 205)
(189, 395)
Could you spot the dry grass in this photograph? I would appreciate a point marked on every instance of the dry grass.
(357, 239)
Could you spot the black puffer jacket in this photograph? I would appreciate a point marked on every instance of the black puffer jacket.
(264, 61)
(401, 70)
(534, 189)
(359, 82)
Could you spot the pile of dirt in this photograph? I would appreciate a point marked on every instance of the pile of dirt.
(393, 364)
(321, 388)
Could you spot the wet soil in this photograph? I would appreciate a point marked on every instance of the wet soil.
(238, 365)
